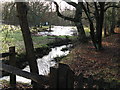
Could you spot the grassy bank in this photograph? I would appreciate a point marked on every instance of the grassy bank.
(12, 36)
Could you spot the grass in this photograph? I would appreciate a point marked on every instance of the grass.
(12, 36)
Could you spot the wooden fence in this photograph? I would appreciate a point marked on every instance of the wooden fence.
(60, 77)
(12, 61)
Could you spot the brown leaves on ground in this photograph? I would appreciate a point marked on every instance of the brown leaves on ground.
(106, 63)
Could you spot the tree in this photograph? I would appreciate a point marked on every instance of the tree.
(113, 18)
(96, 30)
(77, 19)
(8, 13)
(22, 15)
(98, 12)
(37, 12)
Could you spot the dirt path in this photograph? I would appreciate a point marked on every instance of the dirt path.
(106, 63)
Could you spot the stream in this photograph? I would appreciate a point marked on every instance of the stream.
(60, 31)
(48, 61)
(44, 63)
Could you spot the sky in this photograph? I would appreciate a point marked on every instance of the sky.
(61, 3)
(60, 0)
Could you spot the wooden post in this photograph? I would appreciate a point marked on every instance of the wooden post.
(53, 77)
(66, 77)
(80, 80)
(12, 62)
(61, 77)
(90, 81)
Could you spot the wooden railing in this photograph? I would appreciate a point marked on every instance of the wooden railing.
(12, 61)
(59, 77)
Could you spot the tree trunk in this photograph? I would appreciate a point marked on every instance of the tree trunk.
(101, 20)
(105, 26)
(81, 32)
(22, 15)
(92, 32)
(113, 20)
(99, 25)
(77, 20)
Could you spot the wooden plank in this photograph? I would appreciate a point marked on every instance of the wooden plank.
(80, 81)
(12, 62)
(3, 55)
(90, 81)
(53, 78)
(61, 77)
(66, 76)
(101, 83)
(42, 80)
(70, 79)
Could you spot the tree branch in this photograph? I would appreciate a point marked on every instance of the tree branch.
(62, 16)
(86, 12)
(72, 3)
(111, 6)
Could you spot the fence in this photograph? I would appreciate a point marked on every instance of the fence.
(12, 61)
(60, 77)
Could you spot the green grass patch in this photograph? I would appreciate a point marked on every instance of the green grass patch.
(12, 36)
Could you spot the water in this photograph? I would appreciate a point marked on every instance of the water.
(44, 63)
(60, 31)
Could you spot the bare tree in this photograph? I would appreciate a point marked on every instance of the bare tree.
(96, 30)
(77, 19)
(98, 12)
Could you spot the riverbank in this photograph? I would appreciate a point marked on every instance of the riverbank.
(12, 36)
(21, 59)
(103, 64)
(44, 64)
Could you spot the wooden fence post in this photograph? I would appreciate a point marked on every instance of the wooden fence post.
(90, 81)
(53, 77)
(12, 62)
(61, 77)
(80, 80)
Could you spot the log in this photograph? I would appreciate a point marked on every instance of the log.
(42, 80)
